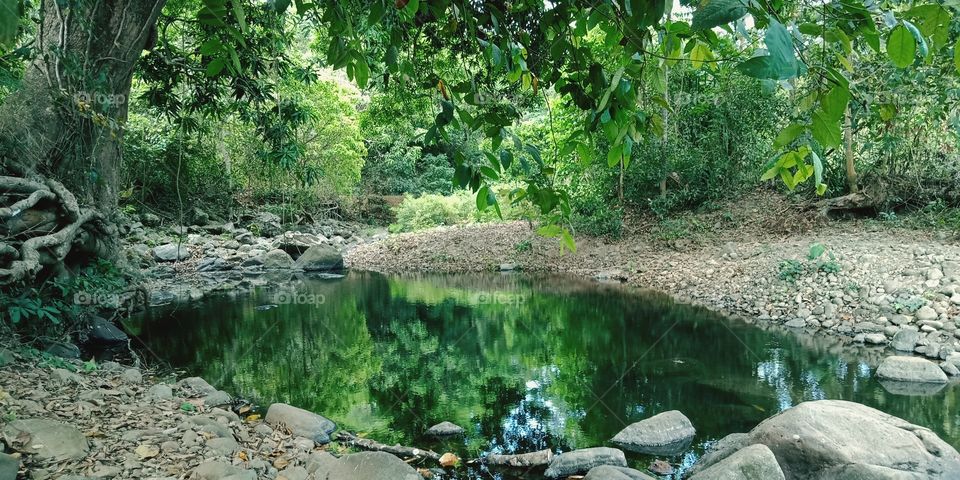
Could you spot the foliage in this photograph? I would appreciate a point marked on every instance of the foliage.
(430, 210)
(818, 259)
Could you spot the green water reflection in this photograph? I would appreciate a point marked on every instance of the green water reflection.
(523, 363)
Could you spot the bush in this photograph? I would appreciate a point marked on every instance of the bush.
(430, 210)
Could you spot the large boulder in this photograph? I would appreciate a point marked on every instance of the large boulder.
(265, 224)
(755, 462)
(581, 461)
(910, 369)
(666, 433)
(320, 258)
(301, 422)
(276, 260)
(103, 332)
(905, 340)
(607, 472)
(836, 439)
(360, 466)
(46, 439)
(295, 243)
(171, 252)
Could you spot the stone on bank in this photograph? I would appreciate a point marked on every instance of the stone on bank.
(581, 461)
(910, 369)
(666, 433)
(301, 422)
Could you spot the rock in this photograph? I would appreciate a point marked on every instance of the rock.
(63, 376)
(146, 451)
(276, 260)
(199, 217)
(507, 267)
(6, 357)
(905, 340)
(541, 458)
(160, 392)
(607, 472)
(723, 448)
(301, 422)
(875, 338)
(223, 445)
(47, 439)
(910, 369)
(661, 467)
(839, 439)
(103, 332)
(755, 462)
(320, 258)
(171, 252)
(9, 466)
(218, 470)
(950, 369)
(196, 387)
(926, 313)
(363, 465)
(796, 323)
(265, 224)
(581, 461)
(131, 375)
(293, 473)
(667, 433)
(295, 243)
(62, 350)
(445, 429)
(149, 219)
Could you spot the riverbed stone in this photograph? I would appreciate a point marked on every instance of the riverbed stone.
(47, 439)
(103, 332)
(445, 429)
(320, 258)
(666, 433)
(926, 313)
(363, 465)
(276, 260)
(608, 472)
(220, 470)
(171, 252)
(132, 375)
(6, 357)
(581, 461)
(301, 422)
(755, 462)
(160, 392)
(905, 340)
(540, 458)
(839, 439)
(910, 369)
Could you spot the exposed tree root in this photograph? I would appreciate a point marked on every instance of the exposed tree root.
(398, 450)
(41, 227)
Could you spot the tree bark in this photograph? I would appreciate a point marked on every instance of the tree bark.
(66, 120)
(852, 181)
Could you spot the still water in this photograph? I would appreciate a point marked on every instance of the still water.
(521, 362)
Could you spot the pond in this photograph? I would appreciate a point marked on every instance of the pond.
(521, 362)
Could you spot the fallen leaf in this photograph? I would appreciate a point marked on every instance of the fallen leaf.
(448, 460)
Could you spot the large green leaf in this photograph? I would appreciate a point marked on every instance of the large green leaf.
(934, 21)
(835, 102)
(901, 47)
(825, 129)
(788, 135)
(780, 63)
(717, 12)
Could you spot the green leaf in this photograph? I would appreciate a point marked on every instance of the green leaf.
(549, 230)
(835, 102)
(901, 47)
(567, 240)
(361, 70)
(700, 54)
(816, 250)
(717, 12)
(769, 174)
(825, 130)
(614, 155)
(956, 55)
(241, 16)
(489, 173)
(918, 37)
(780, 63)
(215, 67)
(482, 197)
(377, 11)
(788, 135)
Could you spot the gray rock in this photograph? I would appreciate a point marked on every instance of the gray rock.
(905, 340)
(540, 458)
(910, 369)
(223, 445)
(219, 470)
(581, 461)
(607, 472)
(926, 313)
(9, 466)
(755, 462)
(295, 243)
(149, 219)
(276, 260)
(796, 323)
(62, 349)
(320, 258)
(301, 422)
(838, 439)
(160, 392)
(6, 357)
(105, 333)
(171, 252)
(723, 448)
(48, 439)
(132, 375)
(444, 429)
(666, 433)
(294, 473)
(196, 387)
(363, 465)
(950, 369)
(875, 338)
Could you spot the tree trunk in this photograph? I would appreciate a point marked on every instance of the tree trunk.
(848, 151)
(66, 120)
(60, 134)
